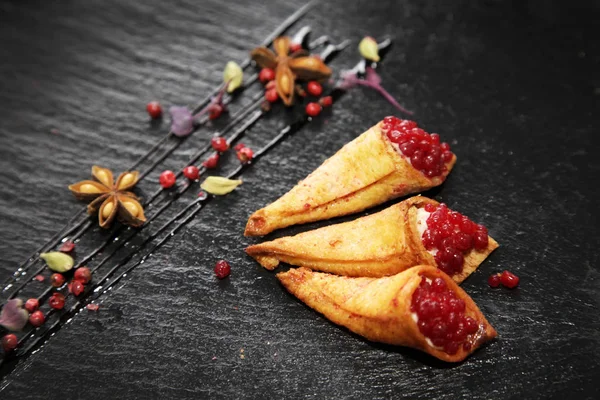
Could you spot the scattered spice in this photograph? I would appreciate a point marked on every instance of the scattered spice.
(239, 146)
(154, 109)
(266, 75)
(368, 49)
(76, 287)
(83, 274)
(191, 172)
(56, 301)
(39, 278)
(111, 199)
(289, 67)
(58, 261)
(211, 162)
(67, 247)
(218, 185)
(57, 280)
(32, 304)
(271, 95)
(326, 101)
(167, 179)
(313, 109)
(314, 88)
(10, 342)
(182, 120)
(233, 76)
(92, 307)
(222, 270)
(372, 80)
(245, 155)
(13, 316)
(37, 318)
(219, 144)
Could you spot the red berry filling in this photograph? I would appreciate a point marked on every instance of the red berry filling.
(423, 150)
(222, 269)
(449, 235)
(441, 316)
(509, 279)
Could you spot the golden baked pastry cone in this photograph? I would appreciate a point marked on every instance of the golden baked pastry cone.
(365, 172)
(376, 245)
(387, 309)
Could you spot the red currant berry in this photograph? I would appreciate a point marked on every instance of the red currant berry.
(314, 88)
(211, 162)
(219, 144)
(37, 318)
(57, 301)
(494, 280)
(326, 101)
(509, 279)
(76, 287)
(245, 154)
(154, 109)
(67, 247)
(294, 47)
(83, 274)
(271, 95)
(10, 342)
(191, 172)
(313, 109)
(57, 280)
(239, 146)
(167, 179)
(222, 269)
(215, 111)
(266, 75)
(32, 304)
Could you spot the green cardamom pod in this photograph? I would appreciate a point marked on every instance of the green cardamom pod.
(368, 49)
(233, 76)
(219, 186)
(57, 261)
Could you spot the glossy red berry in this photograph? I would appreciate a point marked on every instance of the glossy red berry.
(314, 88)
(266, 75)
(76, 287)
(294, 47)
(313, 109)
(219, 144)
(211, 162)
(10, 342)
(37, 318)
(494, 280)
(191, 172)
(57, 280)
(245, 154)
(83, 274)
(215, 111)
(326, 101)
(509, 279)
(271, 95)
(67, 247)
(32, 304)
(57, 301)
(167, 179)
(222, 269)
(154, 109)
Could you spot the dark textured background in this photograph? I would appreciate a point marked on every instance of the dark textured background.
(514, 86)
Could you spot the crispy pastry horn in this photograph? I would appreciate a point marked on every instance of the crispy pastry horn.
(376, 245)
(379, 309)
(365, 172)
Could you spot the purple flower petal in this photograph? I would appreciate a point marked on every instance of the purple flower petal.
(13, 317)
(182, 121)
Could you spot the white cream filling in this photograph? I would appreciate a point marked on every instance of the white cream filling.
(422, 217)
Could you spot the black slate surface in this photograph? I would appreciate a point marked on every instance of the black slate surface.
(514, 86)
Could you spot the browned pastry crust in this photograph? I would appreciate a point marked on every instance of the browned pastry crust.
(365, 172)
(379, 308)
(376, 245)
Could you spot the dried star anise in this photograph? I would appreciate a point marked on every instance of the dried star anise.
(111, 199)
(289, 67)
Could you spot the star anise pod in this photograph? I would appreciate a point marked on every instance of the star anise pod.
(111, 199)
(289, 67)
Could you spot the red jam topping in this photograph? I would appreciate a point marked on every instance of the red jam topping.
(441, 316)
(451, 235)
(424, 150)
